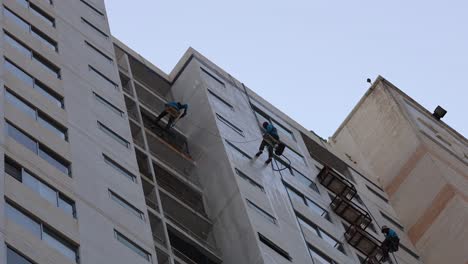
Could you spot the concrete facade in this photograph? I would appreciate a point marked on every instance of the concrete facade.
(90, 178)
(420, 161)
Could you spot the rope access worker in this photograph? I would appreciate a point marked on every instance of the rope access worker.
(270, 139)
(174, 110)
(391, 242)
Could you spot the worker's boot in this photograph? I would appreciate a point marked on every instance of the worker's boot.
(258, 154)
(268, 161)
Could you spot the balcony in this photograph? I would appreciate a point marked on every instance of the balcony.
(186, 252)
(150, 194)
(364, 243)
(149, 78)
(157, 229)
(180, 189)
(336, 183)
(185, 219)
(350, 212)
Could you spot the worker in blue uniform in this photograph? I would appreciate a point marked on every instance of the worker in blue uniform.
(174, 110)
(270, 140)
(391, 242)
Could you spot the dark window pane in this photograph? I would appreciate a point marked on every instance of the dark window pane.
(21, 138)
(67, 205)
(15, 258)
(59, 244)
(45, 91)
(23, 220)
(19, 21)
(48, 42)
(20, 74)
(131, 245)
(54, 161)
(19, 46)
(20, 104)
(13, 169)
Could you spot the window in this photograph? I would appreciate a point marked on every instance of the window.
(250, 180)
(377, 194)
(274, 247)
(314, 208)
(14, 257)
(100, 53)
(320, 233)
(230, 125)
(262, 117)
(43, 189)
(41, 231)
(38, 148)
(24, 49)
(395, 223)
(97, 11)
(41, 14)
(238, 150)
(122, 202)
(132, 245)
(219, 99)
(108, 104)
(304, 180)
(319, 256)
(113, 135)
(119, 168)
(96, 29)
(260, 211)
(43, 38)
(214, 81)
(39, 116)
(35, 84)
(103, 79)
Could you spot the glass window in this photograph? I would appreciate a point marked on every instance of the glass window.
(52, 126)
(250, 180)
(102, 79)
(319, 256)
(47, 65)
(21, 138)
(108, 104)
(113, 135)
(274, 247)
(20, 104)
(212, 80)
(97, 11)
(96, 29)
(126, 204)
(119, 168)
(20, 74)
(131, 245)
(306, 181)
(17, 45)
(23, 220)
(44, 39)
(99, 52)
(230, 125)
(238, 150)
(295, 194)
(15, 258)
(219, 99)
(54, 160)
(12, 169)
(60, 244)
(310, 227)
(67, 205)
(48, 19)
(317, 209)
(15, 18)
(49, 94)
(261, 211)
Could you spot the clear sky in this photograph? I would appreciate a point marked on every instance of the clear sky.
(311, 58)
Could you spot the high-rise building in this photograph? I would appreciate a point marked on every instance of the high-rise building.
(90, 177)
(421, 162)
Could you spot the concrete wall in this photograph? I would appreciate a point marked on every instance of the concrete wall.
(97, 215)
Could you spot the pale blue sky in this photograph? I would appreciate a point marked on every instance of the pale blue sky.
(311, 58)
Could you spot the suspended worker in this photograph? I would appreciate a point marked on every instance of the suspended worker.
(391, 242)
(270, 140)
(174, 109)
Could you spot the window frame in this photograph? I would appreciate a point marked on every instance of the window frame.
(95, 28)
(230, 124)
(113, 135)
(273, 246)
(98, 51)
(95, 9)
(119, 168)
(220, 99)
(125, 204)
(261, 212)
(108, 104)
(118, 235)
(249, 180)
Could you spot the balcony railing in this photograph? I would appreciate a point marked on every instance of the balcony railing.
(364, 243)
(182, 258)
(199, 228)
(350, 212)
(336, 183)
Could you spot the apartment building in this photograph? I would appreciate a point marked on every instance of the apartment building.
(421, 162)
(90, 178)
